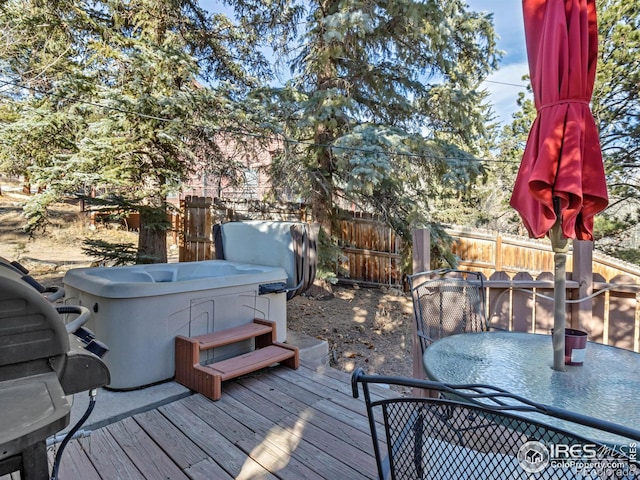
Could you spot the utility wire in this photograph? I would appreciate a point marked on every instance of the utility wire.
(506, 83)
(243, 133)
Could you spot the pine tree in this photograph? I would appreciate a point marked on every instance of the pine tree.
(383, 101)
(616, 102)
(616, 107)
(109, 95)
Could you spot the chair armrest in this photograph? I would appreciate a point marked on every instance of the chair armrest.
(499, 329)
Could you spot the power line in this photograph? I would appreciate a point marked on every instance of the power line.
(506, 83)
(237, 132)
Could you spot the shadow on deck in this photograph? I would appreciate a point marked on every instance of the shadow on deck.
(277, 424)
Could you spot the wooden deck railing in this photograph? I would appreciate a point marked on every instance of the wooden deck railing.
(608, 311)
(526, 305)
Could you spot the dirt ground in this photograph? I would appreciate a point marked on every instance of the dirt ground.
(364, 327)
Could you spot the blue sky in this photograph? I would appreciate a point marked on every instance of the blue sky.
(508, 23)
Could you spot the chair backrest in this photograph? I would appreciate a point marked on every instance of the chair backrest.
(447, 302)
(482, 432)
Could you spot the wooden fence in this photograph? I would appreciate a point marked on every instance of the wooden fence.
(516, 269)
(199, 214)
(371, 253)
(371, 250)
(524, 303)
(195, 242)
(519, 286)
(492, 252)
(608, 308)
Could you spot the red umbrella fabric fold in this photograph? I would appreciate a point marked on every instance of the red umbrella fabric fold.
(562, 158)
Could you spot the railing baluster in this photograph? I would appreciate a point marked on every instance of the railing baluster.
(503, 295)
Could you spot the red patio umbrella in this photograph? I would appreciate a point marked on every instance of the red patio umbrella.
(561, 185)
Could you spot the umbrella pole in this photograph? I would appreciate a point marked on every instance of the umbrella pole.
(560, 247)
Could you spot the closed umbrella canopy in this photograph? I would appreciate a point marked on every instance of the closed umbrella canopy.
(561, 185)
(562, 159)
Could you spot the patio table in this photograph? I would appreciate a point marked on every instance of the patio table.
(607, 386)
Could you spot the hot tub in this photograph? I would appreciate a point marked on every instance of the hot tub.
(138, 310)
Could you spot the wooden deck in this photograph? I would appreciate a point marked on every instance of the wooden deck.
(275, 424)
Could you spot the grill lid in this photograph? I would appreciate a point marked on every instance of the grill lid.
(30, 327)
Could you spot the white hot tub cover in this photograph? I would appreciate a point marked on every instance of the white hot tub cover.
(289, 245)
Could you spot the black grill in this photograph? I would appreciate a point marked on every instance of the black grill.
(41, 364)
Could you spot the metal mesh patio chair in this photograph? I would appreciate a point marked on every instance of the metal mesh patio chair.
(482, 432)
(447, 302)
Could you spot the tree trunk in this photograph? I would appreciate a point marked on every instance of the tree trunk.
(324, 135)
(322, 204)
(152, 239)
(26, 185)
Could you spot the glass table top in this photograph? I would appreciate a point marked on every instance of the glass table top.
(607, 386)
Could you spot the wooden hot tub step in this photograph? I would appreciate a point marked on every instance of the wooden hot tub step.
(207, 379)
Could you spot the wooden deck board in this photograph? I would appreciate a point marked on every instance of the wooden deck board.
(270, 445)
(216, 415)
(213, 442)
(273, 457)
(347, 429)
(296, 427)
(275, 424)
(109, 459)
(325, 439)
(208, 469)
(341, 406)
(145, 454)
(74, 464)
(241, 404)
(302, 422)
(178, 446)
(336, 386)
(229, 416)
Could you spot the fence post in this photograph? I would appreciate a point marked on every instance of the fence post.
(421, 263)
(582, 312)
(498, 253)
(196, 228)
(421, 250)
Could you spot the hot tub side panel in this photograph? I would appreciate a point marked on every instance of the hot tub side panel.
(140, 332)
